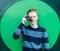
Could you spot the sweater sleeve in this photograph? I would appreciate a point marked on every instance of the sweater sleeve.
(18, 31)
(45, 41)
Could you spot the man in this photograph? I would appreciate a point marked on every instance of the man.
(33, 35)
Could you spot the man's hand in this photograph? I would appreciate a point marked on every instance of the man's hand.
(24, 20)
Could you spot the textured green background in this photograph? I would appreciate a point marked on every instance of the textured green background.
(12, 18)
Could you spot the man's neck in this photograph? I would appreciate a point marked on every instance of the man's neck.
(34, 24)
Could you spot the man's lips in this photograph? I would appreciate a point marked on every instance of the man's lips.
(31, 20)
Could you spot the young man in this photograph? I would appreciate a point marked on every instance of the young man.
(33, 35)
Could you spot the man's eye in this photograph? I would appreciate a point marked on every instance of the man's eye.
(30, 16)
(34, 16)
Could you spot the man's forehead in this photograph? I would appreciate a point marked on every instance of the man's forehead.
(32, 13)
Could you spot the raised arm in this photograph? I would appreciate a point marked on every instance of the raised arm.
(18, 30)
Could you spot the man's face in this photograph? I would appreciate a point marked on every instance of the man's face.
(33, 16)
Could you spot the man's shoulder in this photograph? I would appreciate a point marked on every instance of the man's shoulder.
(42, 29)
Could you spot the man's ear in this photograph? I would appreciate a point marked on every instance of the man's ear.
(37, 18)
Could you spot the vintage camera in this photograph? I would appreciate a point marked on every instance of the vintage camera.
(27, 18)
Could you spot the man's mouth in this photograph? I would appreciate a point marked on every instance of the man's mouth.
(31, 21)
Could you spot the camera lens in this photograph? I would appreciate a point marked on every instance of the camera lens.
(27, 17)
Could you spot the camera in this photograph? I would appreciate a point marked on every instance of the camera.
(27, 18)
